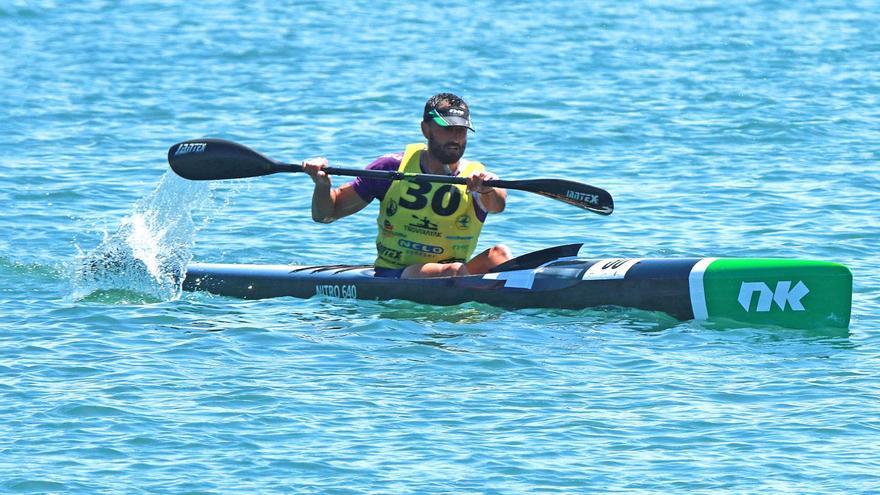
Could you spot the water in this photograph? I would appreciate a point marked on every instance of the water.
(721, 130)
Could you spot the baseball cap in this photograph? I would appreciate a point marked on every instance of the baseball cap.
(451, 116)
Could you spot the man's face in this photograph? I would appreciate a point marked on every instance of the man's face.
(446, 144)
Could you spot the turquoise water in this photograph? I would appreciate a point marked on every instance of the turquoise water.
(749, 129)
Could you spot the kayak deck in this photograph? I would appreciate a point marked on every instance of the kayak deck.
(784, 292)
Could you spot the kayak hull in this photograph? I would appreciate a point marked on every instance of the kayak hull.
(790, 293)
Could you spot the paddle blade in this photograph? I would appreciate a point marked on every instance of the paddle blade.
(574, 193)
(535, 259)
(581, 195)
(217, 159)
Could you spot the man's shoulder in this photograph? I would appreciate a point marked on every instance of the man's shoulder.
(376, 188)
(389, 161)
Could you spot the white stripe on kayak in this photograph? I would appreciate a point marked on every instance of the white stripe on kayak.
(610, 268)
(698, 291)
(521, 279)
(517, 279)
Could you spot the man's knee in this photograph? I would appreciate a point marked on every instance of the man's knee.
(500, 253)
(435, 270)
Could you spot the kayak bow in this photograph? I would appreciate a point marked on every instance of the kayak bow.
(783, 292)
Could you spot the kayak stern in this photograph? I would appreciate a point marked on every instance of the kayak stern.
(783, 292)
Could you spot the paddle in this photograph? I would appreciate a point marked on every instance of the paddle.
(537, 258)
(217, 159)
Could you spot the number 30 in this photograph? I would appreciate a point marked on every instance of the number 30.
(420, 190)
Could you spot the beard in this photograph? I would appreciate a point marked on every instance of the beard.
(445, 155)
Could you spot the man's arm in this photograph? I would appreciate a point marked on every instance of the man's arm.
(330, 204)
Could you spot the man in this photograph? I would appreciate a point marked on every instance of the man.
(425, 229)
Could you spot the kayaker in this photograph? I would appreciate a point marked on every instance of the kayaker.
(425, 229)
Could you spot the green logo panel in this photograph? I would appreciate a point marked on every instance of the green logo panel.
(789, 293)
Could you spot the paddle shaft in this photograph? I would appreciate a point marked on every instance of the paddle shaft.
(573, 193)
(395, 175)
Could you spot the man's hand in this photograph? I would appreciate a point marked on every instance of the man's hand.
(314, 168)
(492, 199)
(475, 182)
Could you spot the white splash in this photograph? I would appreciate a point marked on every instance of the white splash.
(149, 252)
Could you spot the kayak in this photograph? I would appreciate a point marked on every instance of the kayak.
(784, 292)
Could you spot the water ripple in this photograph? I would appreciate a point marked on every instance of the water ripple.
(721, 129)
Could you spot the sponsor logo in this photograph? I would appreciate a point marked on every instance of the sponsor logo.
(424, 223)
(387, 229)
(461, 247)
(186, 148)
(460, 237)
(388, 253)
(463, 222)
(784, 296)
(423, 226)
(340, 291)
(391, 209)
(422, 248)
(581, 197)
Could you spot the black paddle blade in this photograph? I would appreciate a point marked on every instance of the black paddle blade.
(574, 193)
(581, 195)
(217, 159)
(534, 260)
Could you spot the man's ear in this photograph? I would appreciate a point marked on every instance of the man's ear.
(426, 129)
